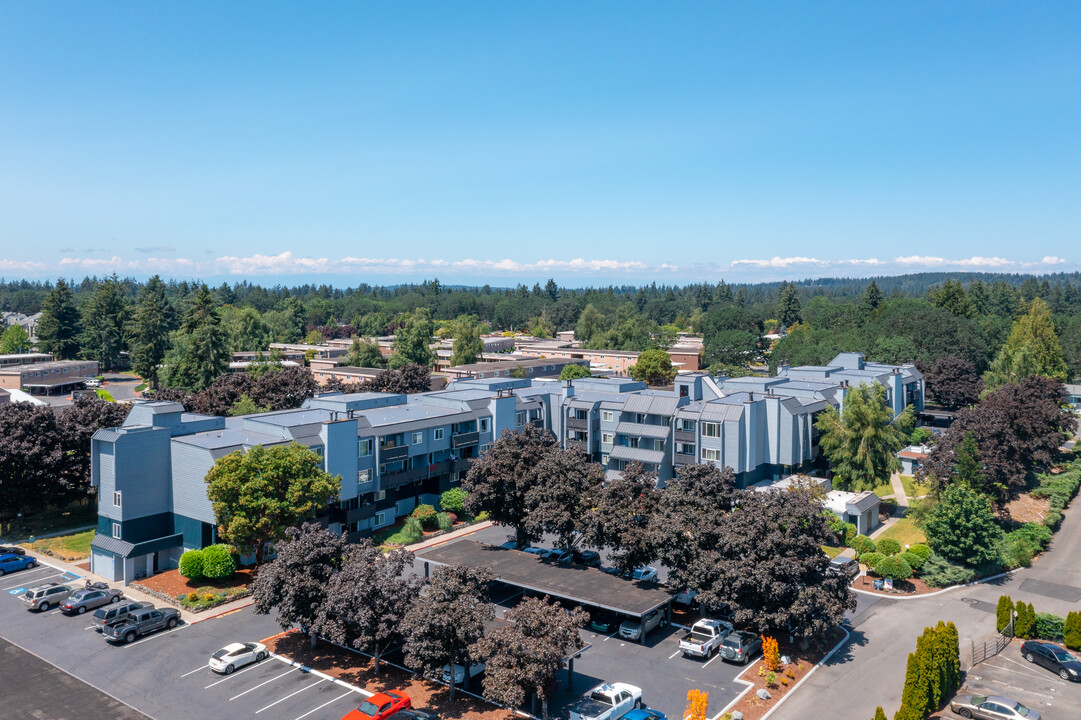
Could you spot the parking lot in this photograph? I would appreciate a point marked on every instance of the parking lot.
(165, 674)
(1010, 675)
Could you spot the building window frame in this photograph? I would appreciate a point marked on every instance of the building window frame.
(116, 498)
(365, 447)
(438, 433)
(711, 429)
(117, 530)
(485, 424)
(363, 476)
(608, 416)
(418, 437)
(711, 455)
(608, 438)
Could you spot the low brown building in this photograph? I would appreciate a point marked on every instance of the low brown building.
(48, 378)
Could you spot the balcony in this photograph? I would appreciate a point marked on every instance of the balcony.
(388, 454)
(464, 439)
(391, 480)
(577, 424)
(579, 445)
(538, 423)
(361, 513)
(633, 429)
(686, 436)
(683, 459)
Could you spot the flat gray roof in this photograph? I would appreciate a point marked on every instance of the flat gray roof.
(585, 585)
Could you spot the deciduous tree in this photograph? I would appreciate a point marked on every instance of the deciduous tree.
(574, 372)
(14, 340)
(412, 339)
(367, 600)
(467, 345)
(295, 582)
(1031, 349)
(961, 526)
(257, 495)
(524, 657)
(654, 367)
(32, 458)
(623, 519)
(365, 353)
(954, 382)
(445, 622)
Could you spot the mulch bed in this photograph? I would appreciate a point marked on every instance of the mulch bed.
(172, 583)
(914, 586)
(358, 670)
(751, 705)
(1027, 509)
(85, 565)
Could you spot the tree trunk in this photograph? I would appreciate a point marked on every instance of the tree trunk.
(452, 682)
(544, 707)
(375, 659)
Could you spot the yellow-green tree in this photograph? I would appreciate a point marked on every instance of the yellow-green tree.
(862, 443)
(1031, 349)
(697, 702)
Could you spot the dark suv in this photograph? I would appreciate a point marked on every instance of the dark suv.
(1053, 658)
(112, 613)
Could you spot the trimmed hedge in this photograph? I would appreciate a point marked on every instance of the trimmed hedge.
(191, 564)
(1049, 626)
(889, 546)
(218, 562)
(1072, 631)
(863, 544)
(920, 549)
(894, 568)
(871, 559)
(427, 515)
(453, 500)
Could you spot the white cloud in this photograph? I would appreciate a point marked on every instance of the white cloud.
(99, 264)
(19, 266)
(286, 262)
(1052, 260)
(780, 262)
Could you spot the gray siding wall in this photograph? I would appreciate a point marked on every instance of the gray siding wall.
(141, 475)
(190, 466)
(340, 453)
(104, 463)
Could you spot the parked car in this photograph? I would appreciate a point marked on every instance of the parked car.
(236, 655)
(645, 574)
(113, 613)
(459, 672)
(11, 550)
(991, 707)
(536, 551)
(602, 621)
(610, 701)
(45, 596)
(380, 706)
(704, 639)
(589, 558)
(631, 628)
(12, 563)
(1053, 658)
(141, 622)
(685, 596)
(509, 545)
(645, 714)
(413, 715)
(740, 646)
(847, 567)
(89, 598)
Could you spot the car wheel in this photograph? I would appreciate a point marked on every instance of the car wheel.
(1030, 657)
(1, 573)
(260, 656)
(81, 610)
(965, 713)
(31, 564)
(44, 605)
(130, 637)
(1063, 674)
(229, 669)
(172, 623)
(116, 599)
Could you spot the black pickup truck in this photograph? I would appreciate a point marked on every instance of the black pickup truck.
(141, 622)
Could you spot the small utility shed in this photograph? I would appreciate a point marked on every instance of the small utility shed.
(583, 585)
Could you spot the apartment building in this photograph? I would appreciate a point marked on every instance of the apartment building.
(9, 359)
(528, 367)
(48, 378)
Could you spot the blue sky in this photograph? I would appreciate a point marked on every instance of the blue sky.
(504, 142)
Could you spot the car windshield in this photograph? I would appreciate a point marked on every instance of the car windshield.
(369, 708)
(1021, 710)
(101, 614)
(731, 641)
(79, 595)
(1062, 656)
(600, 697)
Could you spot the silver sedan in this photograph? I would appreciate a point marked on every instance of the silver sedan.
(82, 600)
(991, 707)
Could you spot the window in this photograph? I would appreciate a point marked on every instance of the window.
(711, 454)
(380, 518)
(438, 434)
(484, 448)
(519, 418)
(363, 476)
(116, 499)
(608, 416)
(640, 418)
(604, 459)
(350, 504)
(687, 425)
(485, 424)
(633, 442)
(711, 429)
(608, 438)
(684, 448)
(578, 435)
(418, 437)
(381, 495)
(116, 530)
(364, 447)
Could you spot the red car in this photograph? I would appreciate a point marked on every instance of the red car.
(379, 706)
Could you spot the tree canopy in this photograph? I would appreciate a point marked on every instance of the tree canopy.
(654, 367)
(862, 441)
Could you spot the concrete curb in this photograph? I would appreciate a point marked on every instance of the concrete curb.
(803, 679)
(937, 592)
(448, 537)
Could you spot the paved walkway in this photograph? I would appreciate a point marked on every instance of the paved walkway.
(899, 492)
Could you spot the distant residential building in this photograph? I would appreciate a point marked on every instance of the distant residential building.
(48, 378)
(510, 366)
(319, 351)
(9, 359)
(912, 457)
(29, 323)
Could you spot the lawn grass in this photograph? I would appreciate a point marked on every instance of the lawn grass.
(904, 531)
(912, 488)
(832, 551)
(884, 490)
(67, 547)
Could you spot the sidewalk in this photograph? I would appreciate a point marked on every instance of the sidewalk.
(899, 492)
(440, 539)
(137, 595)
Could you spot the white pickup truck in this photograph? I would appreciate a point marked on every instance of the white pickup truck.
(610, 701)
(705, 638)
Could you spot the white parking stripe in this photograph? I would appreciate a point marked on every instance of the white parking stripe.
(33, 581)
(324, 705)
(711, 660)
(160, 633)
(673, 654)
(227, 677)
(320, 680)
(276, 677)
(201, 667)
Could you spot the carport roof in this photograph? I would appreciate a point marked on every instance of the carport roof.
(585, 585)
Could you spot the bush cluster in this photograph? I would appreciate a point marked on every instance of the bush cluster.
(920, 549)
(914, 561)
(453, 500)
(1059, 490)
(889, 546)
(218, 562)
(893, 567)
(1017, 548)
(937, 571)
(871, 559)
(933, 673)
(863, 544)
(444, 522)
(427, 515)
(191, 564)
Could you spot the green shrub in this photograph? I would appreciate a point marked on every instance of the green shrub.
(1025, 623)
(889, 546)
(1003, 612)
(894, 568)
(191, 564)
(920, 549)
(218, 562)
(453, 500)
(863, 544)
(1072, 631)
(413, 528)
(1016, 551)
(193, 596)
(836, 524)
(940, 572)
(1049, 626)
(426, 514)
(914, 561)
(871, 559)
(444, 522)
(850, 534)
(482, 516)
(1037, 534)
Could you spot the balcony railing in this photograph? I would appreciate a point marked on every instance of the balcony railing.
(387, 454)
(685, 436)
(682, 459)
(574, 423)
(464, 439)
(361, 513)
(580, 445)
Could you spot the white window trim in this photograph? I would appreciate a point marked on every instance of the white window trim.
(368, 444)
(418, 437)
(381, 518)
(438, 434)
(116, 498)
(608, 438)
(364, 476)
(707, 452)
(608, 416)
(485, 424)
(116, 531)
(381, 495)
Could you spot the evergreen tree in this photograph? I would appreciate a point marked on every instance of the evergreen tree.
(968, 467)
(914, 695)
(1024, 621)
(879, 714)
(1072, 631)
(58, 329)
(872, 298)
(150, 331)
(961, 526)
(951, 296)
(791, 311)
(1003, 612)
(953, 657)
(412, 339)
(103, 336)
(862, 443)
(200, 350)
(1032, 348)
(467, 346)
(927, 661)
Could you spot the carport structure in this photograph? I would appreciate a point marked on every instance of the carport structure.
(583, 585)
